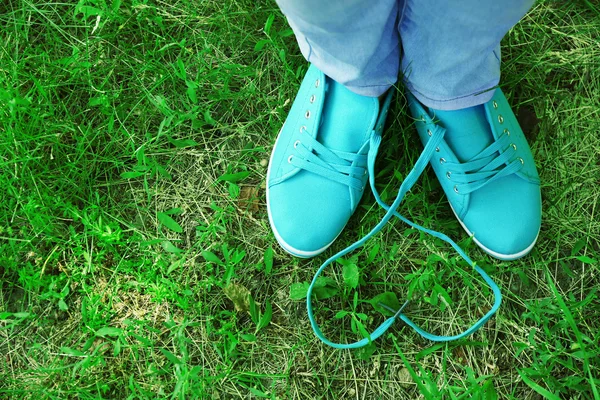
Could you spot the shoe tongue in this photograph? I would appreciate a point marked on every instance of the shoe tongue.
(468, 131)
(346, 118)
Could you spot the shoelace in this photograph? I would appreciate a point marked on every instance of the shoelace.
(338, 166)
(492, 163)
(487, 173)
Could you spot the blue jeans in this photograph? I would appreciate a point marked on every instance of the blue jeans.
(451, 49)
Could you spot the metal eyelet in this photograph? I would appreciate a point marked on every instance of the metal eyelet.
(317, 83)
(522, 162)
(500, 119)
(442, 160)
(422, 119)
(312, 98)
(455, 189)
(437, 149)
(361, 189)
(448, 174)
(290, 159)
(495, 104)
(514, 146)
(296, 143)
(364, 173)
(429, 132)
(307, 114)
(507, 132)
(302, 128)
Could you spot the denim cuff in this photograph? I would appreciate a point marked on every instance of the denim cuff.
(457, 103)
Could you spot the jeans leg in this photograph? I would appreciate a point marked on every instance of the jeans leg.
(452, 48)
(354, 42)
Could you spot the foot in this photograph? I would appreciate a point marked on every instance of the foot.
(488, 174)
(318, 169)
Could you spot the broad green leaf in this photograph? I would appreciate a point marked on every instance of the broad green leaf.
(132, 174)
(191, 92)
(373, 253)
(211, 257)
(269, 23)
(170, 247)
(180, 70)
(170, 356)
(266, 317)
(108, 331)
(175, 264)
(209, 119)
(350, 275)
(298, 290)
(325, 292)
(169, 222)
(72, 352)
(117, 348)
(182, 143)
(489, 391)
(387, 298)
(363, 331)
(365, 352)
(268, 258)
(325, 288)
(587, 260)
(254, 310)
(233, 178)
(260, 44)
(87, 11)
(234, 190)
(248, 337)
(62, 305)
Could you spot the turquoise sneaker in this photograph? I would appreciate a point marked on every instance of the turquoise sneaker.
(318, 169)
(486, 169)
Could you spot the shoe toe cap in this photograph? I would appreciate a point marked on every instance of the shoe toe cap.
(307, 215)
(505, 218)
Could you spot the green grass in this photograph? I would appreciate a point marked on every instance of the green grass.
(134, 139)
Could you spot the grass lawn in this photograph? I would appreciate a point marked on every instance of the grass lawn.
(136, 258)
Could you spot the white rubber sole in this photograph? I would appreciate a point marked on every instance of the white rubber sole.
(284, 245)
(500, 256)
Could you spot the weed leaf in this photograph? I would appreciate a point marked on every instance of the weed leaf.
(268, 257)
(233, 178)
(211, 257)
(169, 222)
(72, 352)
(350, 275)
(587, 260)
(182, 143)
(266, 317)
(260, 44)
(132, 174)
(170, 247)
(108, 331)
(544, 392)
(254, 310)
(269, 23)
(170, 356)
(389, 299)
(298, 291)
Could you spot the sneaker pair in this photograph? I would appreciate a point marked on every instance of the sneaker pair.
(325, 154)
(318, 169)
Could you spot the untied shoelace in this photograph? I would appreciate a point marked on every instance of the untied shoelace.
(489, 165)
